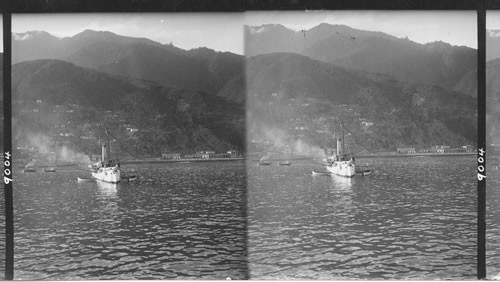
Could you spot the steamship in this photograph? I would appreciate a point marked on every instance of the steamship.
(341, 163)
(107, 170)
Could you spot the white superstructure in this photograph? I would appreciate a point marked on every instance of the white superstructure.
(108, 170)
(341, 164)
(345, 168)
(110, 174)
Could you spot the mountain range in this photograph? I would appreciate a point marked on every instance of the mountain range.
(493, 101)
(390, 92)
(493, 86)
(284, 86)
(393, 92)
(436, 63)
(492, 44)
(197, 69)
(169, 119)
(179, 100)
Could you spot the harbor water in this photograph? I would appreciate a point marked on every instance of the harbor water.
(176, 221)
(493, 222)
(412, 218)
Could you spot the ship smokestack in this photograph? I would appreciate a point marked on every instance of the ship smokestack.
(104, 153)
(339, 146)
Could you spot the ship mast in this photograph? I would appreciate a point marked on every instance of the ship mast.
(340, 141)
(342, 129)
(105, 147)
(108, 151)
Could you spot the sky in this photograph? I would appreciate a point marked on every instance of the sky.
(223, 31)
(454, 27)
(1, 34)
(218, 31)
(493, 20)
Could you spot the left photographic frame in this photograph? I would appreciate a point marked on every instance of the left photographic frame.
(128, 131)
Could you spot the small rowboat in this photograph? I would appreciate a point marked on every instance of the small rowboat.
(284, 163)
(49, 169)
(314, 172)
(85, 179)
(364, 172)
(129, 178)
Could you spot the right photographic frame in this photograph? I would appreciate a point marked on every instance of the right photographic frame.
(361, 141)
(493, 143)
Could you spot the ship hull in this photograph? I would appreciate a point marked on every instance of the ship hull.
(107, 174)
(342, 168)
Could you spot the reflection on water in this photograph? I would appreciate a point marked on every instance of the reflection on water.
(343, 182)
(493, 223)
(107, 189)
(414, 218)
(176, 221)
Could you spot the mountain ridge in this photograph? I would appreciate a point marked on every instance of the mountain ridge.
(492, 44)
(197, 69)
(48, 93)
(436, 63)
(303, 96)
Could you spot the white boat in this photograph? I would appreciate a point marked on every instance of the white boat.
(30, 167)
(109, 173)
(314, 172)
(108, 170)
(341, 164)
(264, 161)
(129, 178)
(83, 179)
(363, 171)
(284, 163)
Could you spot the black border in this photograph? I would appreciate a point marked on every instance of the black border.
(492, 4)
(481, 142)
(101, 6)
(9, 210)
(74, 6)
(104, 6)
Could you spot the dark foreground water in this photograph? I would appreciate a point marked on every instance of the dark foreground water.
(414, 218)
(176, 221)
(493, 222)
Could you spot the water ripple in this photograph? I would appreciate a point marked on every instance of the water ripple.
(176, 221)
(493, 224)
(413, 219)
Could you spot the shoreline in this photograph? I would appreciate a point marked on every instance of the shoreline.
(181, 160)
(250, 158)
(414, 155)
(145, 161)
(374, 155)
